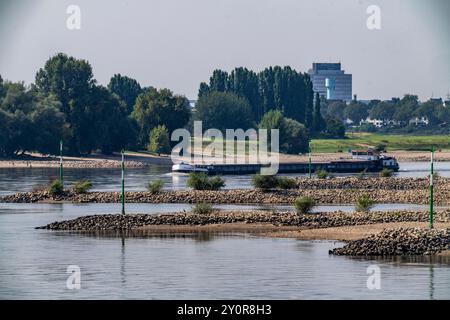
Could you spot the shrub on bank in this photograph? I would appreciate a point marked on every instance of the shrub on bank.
(202, 208)
(56, 188)
(287, 183)
(364, 204)
(386, 173)
(82, 186)
(322, 174)
(361, 175)
(304, 205)
(264, 182)
(201, 181)
(155, 186)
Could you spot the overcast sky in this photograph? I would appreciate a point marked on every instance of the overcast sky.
(178, 43)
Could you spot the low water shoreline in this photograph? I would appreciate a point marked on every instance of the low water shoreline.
(357, 229)
(339, 190)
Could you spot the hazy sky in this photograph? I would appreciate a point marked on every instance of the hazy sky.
(178, 43)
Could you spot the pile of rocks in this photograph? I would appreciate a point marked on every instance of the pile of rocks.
(400, 241)
(390, 183)
(328, 196)
(310, 221)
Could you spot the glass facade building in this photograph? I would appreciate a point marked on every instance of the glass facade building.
(342, 82)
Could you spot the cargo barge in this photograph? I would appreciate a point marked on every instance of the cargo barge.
(367, 160)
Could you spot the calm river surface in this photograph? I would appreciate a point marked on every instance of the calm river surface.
(15, 180)
(33, 263)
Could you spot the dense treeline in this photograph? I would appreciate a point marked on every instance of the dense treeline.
(396, 114)
(278, 88)
(65, 102)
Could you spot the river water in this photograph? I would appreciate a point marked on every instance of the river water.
(25, 179)
(33, 263)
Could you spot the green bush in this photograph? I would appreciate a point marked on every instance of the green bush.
(264, 182)
(155, 186)
(82, 186)
(202, 208)
(386, 173)
(304, 205)
(201, 181)
(322, 174)
(364, 204)
(361, 175)
(56, 188)
(287, 183)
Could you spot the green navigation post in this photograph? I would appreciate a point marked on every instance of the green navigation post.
(123, 184)
(309, 162)
(431, 188)
(61, 172)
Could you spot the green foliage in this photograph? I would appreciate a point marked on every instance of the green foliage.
(287, 183)
(294, 137)
(318, 124)
(82, 186)
(202, 208)
(201, 181)
(364, 203)
(264, 182)
(304, 205)
(381, 147)
(386, 173)
(155, 186)
(322, 174)
(356, 111)
(224, 110)
(334, 128)
(273, 88)
(361, 175)
(159, 140)
(56, 188)
(159, 107)
(126, 88)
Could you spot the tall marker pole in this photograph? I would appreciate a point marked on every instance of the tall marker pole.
(61, 172)
(123, 184)
(431, 188)
(309, 162)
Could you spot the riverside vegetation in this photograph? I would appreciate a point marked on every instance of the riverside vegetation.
(327, 191)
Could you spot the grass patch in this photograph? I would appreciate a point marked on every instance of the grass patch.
(56, 188)
(364, 204)
(202, 208)
(82, 186)
(201, 181)
(155, 186)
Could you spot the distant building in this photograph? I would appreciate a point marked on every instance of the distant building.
(330, 81)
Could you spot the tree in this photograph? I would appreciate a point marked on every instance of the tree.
(318, 124)
(126, 88)
(70, 80)
(383, 110)
(336, 110)
(110, 125)
(273, 88)
(159, 107)
(224, 110)
(334, 128)
(356, 111)
(48, 125)
(293, 135)
(159, 140)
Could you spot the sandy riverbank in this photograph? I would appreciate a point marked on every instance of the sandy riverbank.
(376, 230)
(133, 160)
(136, 159)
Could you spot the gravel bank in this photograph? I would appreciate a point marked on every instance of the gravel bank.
(400, 241)
(320, 220)
(333, 191)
